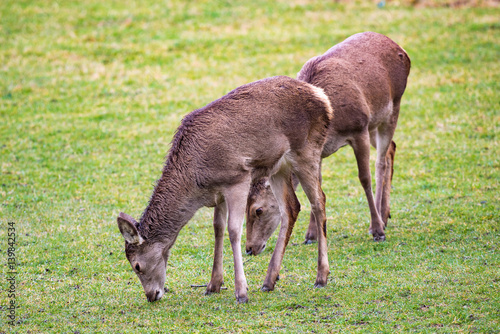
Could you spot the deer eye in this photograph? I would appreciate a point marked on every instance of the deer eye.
(138, 267)
(259, 211)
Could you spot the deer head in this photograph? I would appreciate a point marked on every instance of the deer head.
(148, 260)
(263, 216)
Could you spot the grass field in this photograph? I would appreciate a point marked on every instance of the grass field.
(91, 93)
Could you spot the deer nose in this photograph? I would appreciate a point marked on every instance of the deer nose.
(255, 250)
(154, 295)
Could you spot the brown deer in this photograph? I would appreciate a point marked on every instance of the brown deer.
(271, 128)
(364, 77)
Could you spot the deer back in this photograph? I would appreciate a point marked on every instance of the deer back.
(361, 76)
(249, 128)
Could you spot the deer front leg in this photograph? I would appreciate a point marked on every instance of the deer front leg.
(220, 213)
(236, 203)
(289, 209)
(312, 230)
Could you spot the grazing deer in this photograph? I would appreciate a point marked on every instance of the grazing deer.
(271, 127)
(364, 77)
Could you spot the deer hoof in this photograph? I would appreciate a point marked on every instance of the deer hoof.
(242, 299)
(213, 288)
(379, 238)
(378, 234)
(318, 285)
(209, 292)
(266, 288)
(310, 238)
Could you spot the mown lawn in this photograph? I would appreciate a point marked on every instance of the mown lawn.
(91, 93)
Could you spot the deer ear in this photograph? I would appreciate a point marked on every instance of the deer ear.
(127, 226)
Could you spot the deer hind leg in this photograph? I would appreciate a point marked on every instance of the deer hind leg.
(281, 184)
(361, 147)
(312, 230)
(307, 168)
(235, 198)
(220, 216)
(385, 211)
(386, 150)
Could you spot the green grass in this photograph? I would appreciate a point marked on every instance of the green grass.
(91, 93)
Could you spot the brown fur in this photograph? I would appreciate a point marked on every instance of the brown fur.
(267, 128)
(364, 77)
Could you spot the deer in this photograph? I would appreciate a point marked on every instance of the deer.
(364, 77)
(268, 128)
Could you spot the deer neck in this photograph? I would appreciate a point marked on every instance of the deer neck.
(172, 204)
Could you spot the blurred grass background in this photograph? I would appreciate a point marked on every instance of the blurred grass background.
(91, 93)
